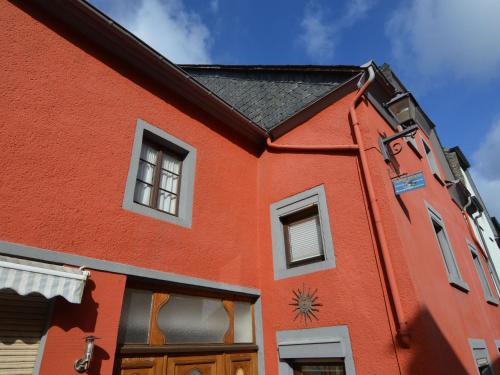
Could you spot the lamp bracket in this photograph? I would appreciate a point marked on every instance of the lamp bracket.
(384, 142)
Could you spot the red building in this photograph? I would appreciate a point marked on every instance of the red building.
(224, 219)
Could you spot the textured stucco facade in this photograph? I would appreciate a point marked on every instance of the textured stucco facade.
(69, 114)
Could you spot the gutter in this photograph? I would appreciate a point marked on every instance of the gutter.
(115, 39)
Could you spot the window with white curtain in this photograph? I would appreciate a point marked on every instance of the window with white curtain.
(160, 180)
(431, 160)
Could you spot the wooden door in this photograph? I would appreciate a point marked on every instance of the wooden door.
(141, 366)
(196, 365)
(241, 364)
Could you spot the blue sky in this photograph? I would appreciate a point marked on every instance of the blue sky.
(447, 52)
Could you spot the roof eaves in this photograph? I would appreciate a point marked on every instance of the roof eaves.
(101, 29)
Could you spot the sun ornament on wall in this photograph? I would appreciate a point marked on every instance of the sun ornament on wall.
(305, 304)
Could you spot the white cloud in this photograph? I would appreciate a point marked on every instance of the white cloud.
(320, 31)
(458, 36)
(317, 34)
(168, 27)
(214, 5)
(486, 169)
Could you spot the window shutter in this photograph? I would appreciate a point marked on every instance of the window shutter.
(22, 322)
(304, 238)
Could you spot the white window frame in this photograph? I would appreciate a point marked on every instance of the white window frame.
(290, 205)
(446, 252)
(185, 207)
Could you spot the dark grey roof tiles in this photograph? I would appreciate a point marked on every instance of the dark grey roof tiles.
(270, 95)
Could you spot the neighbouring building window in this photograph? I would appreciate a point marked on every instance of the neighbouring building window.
(302, 240)
(315, 351)
(450, 262)
(476, 258)
(431, 161)
(481, 356)
(161, 176)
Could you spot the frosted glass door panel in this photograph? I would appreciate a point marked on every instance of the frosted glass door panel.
(243, 327)
(135, 318)
(189, 319)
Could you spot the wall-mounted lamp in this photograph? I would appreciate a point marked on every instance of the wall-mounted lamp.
(402, 107)
(82, 364)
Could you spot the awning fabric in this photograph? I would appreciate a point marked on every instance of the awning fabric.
(27, 276)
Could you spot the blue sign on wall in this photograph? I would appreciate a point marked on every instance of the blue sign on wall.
(408, 183)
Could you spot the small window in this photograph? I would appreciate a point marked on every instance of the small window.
(450, 262)
(158, 178)
(432, 161)
(161, 176)
(315, 351)
(476, 258)
(481, 357)
(302, 240)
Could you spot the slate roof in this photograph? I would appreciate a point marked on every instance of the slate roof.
(270, 94)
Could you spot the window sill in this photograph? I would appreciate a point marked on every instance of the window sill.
(492, 301)
(438, 178)
(460, 285)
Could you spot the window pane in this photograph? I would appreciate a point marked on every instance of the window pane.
(304, 238)
(243, 327)
(482, 276)
(136, 311)
(170, 163)
(142, 193)
(446, 251)
(146, 172)
(149, 154)
(169, 181)
(191, 319)
(323, 369)
(167, 202)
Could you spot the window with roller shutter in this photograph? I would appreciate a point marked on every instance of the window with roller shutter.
(301, 234)
(23, 321)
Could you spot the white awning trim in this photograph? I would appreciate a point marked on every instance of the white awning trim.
(27, 276)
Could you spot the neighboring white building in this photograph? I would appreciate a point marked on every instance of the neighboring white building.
(484, 226)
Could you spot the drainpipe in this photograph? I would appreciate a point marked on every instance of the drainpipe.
(303, 148)
(401, 323)
(393, 292)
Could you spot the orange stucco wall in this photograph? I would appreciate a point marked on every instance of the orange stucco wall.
(68, 119)
(98, 314)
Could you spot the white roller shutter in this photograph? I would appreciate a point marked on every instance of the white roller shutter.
(22, 322)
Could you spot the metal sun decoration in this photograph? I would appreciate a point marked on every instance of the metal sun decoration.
(306, 303)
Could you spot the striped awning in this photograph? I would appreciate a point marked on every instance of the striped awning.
(27, 276)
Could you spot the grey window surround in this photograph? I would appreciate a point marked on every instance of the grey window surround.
(480, 352)
(314, 343)
(447, 254)
(297, 202)
(431, 161)
(413, 145)
(497, 345)
(184, 215)
(488, 293)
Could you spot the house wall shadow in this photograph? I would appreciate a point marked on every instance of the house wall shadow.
(430, 351)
